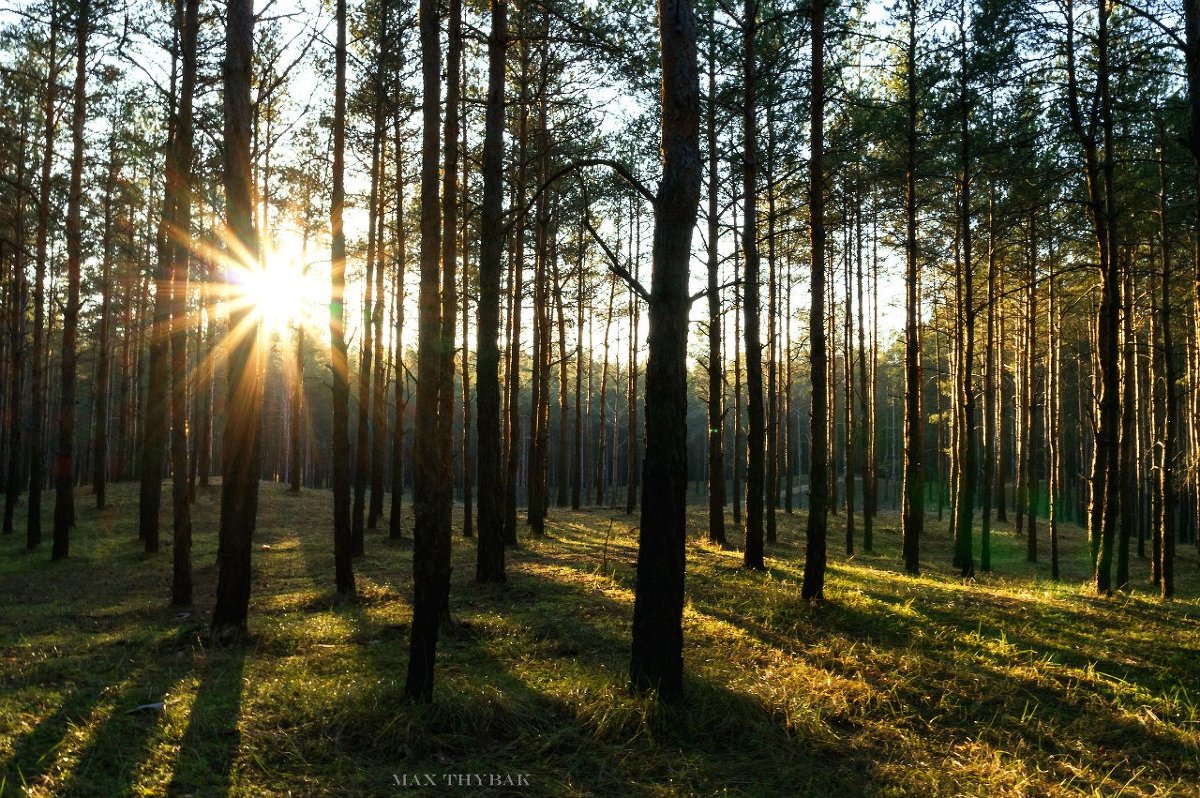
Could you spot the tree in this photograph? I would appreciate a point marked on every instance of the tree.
(37, 465)
(913, 514)
(180, 154)
(816, 530)
(64, 466)
(755, 434)
(342, 533)
(656, 660)
(241, 445)
(1098, 172)
(716, 372)
(431, 533)
(489, 566)
(967, 466)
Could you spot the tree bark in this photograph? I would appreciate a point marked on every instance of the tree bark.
(716, 369)
(656, 661)
(913, 519)
(967, 460)
(449, 246)
(755, 433)
(489, 563)
(182, 155)
(64, 467)
(241, 447)
(37, 407)
(816, 530)
(431, 533)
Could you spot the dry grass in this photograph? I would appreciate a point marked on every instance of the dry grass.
(1007, 685)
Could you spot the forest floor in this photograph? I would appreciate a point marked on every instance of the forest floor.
(1009, 684)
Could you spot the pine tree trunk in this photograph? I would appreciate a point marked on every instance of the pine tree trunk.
(241, 448)
(379, 431)
(913, 519)
(37, 407)
(449, 247)
(367, 350)
(1167, 477)
(866, 416)
(16, 376)
(716, 381)
(967, 460)
(656, 662)
(431, 533)
(182, 154)
(577, 446)
(104, 333)
(400, 399)
(343, 536)
(64, 466)
(1030, 405)
(755, 433)
(816, 530)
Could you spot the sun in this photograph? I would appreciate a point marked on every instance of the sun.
(276, 294)
(285, 292)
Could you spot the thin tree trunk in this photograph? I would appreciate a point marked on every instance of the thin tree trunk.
(967, 460)
(1167, 479)
(37, 407)
(1030, 405)
(343, 536)
(816, 530)
(867, 417)
(490, 555)
(182, 153)
(755, 436)
(449, 248)
(379, 431)
(64, 467)
(20, 291)
(395, 516)
(104, 334)
(716, 382)
(913, 518)
(367, 350)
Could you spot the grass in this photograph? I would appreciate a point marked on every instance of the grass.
(1006, 685)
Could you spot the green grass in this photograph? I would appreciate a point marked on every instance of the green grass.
(1006, 685)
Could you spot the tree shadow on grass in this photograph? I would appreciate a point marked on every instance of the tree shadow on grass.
(33, 754)
(1027, 706)
(209, 747)
(540, 688)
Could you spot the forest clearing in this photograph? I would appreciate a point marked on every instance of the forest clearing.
(1011, 685)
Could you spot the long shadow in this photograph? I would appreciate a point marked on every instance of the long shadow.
(487, 717)
(34, 752)
(209, 747)
(122, 740)
(88, 674)
(984, 700)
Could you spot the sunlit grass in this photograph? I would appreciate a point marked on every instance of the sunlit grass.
(1008, 684)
